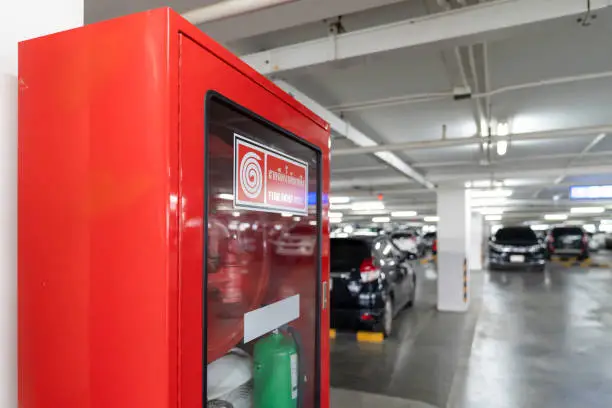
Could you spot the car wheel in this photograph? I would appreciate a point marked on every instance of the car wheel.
(387, 326)
(412, 293)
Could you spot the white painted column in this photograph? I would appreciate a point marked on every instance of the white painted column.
(19, 20)
(476, 241)
(453, 248)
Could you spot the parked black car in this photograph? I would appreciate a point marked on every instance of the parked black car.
(568, 241)
(429, 239)
(371, 281)
(516, 246)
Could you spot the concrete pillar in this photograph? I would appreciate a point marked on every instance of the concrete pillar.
(454, 228)
(476, 241)
(19, 20)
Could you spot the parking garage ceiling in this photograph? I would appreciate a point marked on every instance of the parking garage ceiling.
(439, 102)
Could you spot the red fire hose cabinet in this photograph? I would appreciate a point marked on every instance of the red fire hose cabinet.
(173, 231)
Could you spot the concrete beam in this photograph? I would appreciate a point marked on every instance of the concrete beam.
(463, 141)
(464, 23)
(345, 129)
(458, 178)
(286, 16)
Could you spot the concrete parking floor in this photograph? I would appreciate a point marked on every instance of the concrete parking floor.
(530, 340)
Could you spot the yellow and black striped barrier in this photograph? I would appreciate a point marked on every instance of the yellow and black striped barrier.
(429, 259)
(465, 281)
(570, 262)
(362, 336)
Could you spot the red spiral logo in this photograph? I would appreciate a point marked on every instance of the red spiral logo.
(251, 175)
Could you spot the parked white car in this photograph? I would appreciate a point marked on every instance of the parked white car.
(300, 240)
(595, 243)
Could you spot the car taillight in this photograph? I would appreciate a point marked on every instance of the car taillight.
(369, 272)
(367, 317)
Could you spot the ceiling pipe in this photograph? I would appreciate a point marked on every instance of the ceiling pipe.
(390, 191)
(229, 8)
(464, 141)
(435, 96)
(501, 162)
(458, 179)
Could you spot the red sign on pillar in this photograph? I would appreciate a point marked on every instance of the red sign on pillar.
(268, 180)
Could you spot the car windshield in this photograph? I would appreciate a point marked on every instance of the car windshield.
(303, 230)
(515, 234)
(348, 251)
(560, 232)
(402, 235)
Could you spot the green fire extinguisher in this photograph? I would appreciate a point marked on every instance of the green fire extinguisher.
(277, 376)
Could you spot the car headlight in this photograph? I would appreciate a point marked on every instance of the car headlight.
(497, 247)
(535, 248)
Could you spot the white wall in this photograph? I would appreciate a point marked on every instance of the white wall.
(476, 241)
(19, 20)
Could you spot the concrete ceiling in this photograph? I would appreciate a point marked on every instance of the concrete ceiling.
(360, 89)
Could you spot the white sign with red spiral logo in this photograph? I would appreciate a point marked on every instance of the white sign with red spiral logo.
(268, 180)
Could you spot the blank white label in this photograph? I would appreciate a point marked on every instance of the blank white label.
(263, 320)
(294, 376)
(517, 258)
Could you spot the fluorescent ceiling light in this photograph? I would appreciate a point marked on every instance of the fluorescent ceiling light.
(296, 219)
(587, 210)
(489, 202)
(381, 219)
(368, 205)
(555, 217)
(503, 129)
(481, 183)
(225, 196)
(403, 214)
(491, 211)
(606, 222)
(493, 217)
(432, 218)
(286, 214)
(540, 227)
(340, 207)
(334, 214)
(339, 200)
(335, 220)
(502, 192)
(370, 212)
(236, 213)
(501, 147)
